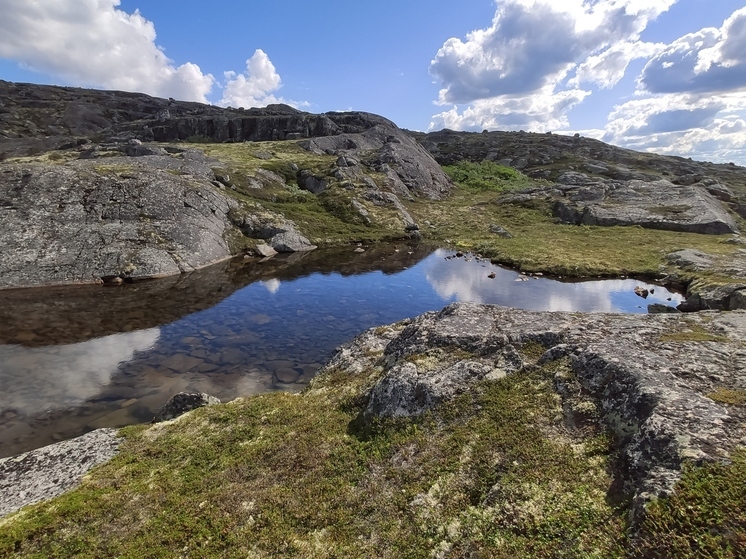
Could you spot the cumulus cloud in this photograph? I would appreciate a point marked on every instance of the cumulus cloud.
(542, 112)
(530, 49)
(608, 68)
(93, 43)
(255, 87)
(710, 60)
(694, 125)
(691, 97)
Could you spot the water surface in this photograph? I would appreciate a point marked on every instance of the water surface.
(78, 358)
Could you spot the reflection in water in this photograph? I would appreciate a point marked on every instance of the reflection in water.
(58, 377)
(466, 279)
(233, 329)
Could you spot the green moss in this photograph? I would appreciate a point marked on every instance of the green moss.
(730, 396)
(693, 333)
(704, 518)
(540, 243)
(284, 475)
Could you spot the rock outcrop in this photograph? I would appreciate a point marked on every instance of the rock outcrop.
(52, 470)
(181, 403)
(580, 200)
(120, 218)
(85, 197)
(598, 169)
(651, 380)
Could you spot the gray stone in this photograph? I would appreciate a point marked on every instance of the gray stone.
(290, 241)
(265, 250)
(47, 472)
(500, 231)
(650, 392)
(181, 403)
(312, 183)
(691, 259)
(86, 220)
(654, 205)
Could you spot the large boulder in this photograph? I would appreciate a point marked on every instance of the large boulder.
(650, 378)
(653, 205)
(183, 402)
(52, 470)
(87, 221)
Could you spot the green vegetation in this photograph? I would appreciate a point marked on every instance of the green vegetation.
(266, 173)
(693, 333)
(486, 175)
(705, 518)
(540, 243)
(285, 475)
(729, 396)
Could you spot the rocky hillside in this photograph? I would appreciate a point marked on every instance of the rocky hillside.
(605, 176)
(86, 195)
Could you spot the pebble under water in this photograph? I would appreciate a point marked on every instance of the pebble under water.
(74, 359)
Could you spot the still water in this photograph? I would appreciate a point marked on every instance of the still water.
(78, 358)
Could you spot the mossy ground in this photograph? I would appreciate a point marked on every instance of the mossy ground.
(493, 473)
(540, 243)
(327, 218)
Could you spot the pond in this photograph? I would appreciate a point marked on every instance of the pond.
(74, 359)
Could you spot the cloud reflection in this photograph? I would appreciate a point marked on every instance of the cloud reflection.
(58, 377)
(462, 280)
(272, 285)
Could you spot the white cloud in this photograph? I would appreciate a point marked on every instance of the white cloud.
(541, 112)
(254, 88)
(607, 68)
(528, 52)
(690, 125)
(691, 98)
(93, 43)
(710, 60)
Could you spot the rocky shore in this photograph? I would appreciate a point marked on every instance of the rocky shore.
(669, 389)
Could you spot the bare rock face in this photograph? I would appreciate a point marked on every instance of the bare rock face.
(409, 168)
(653, 205)
(119, 218)
(78, 224)
(660, 204)
(52, 470)
(650, 385)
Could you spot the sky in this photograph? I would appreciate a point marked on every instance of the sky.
(667, 76)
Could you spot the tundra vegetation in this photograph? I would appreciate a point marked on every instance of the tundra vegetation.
(495, 472)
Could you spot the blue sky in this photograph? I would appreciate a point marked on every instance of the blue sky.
(659, 75)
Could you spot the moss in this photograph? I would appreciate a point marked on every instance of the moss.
(729, 396)
(284, 475)
(540, 244)
(693, 332)
(704, 518)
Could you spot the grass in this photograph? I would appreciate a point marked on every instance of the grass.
(540, 243)
(486, 175)
(285, 475)
(705, 518)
